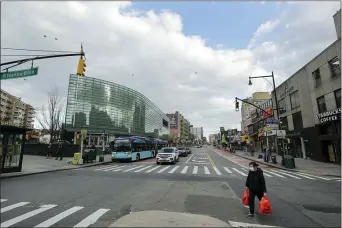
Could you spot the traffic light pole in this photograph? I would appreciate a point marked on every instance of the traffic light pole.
(244, 101)
(21, 61)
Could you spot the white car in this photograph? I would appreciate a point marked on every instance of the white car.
(168, 155)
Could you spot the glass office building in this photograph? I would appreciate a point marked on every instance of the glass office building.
(104, 107)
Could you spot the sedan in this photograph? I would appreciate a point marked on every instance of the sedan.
(182, 151)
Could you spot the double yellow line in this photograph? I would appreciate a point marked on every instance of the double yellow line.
(210, 159)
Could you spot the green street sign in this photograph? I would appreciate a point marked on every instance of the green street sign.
(19, 73)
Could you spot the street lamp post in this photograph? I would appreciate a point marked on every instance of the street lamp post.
(276, 105)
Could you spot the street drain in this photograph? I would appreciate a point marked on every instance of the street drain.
(336, 210)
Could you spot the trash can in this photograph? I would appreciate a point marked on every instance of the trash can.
(274, 159)
(289, 162)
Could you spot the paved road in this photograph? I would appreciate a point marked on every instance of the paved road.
(101, 195)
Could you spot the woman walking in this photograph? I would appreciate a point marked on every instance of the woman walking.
(256, 185)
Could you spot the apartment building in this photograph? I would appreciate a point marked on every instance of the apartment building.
(198, 132)
(247, 109)
(310, 103)
(179, 126)
(15, 112)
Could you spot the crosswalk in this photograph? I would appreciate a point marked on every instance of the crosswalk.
(207, 170)
(21, 214)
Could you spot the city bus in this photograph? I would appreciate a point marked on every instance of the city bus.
(135, 148)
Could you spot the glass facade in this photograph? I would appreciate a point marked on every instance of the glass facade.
(105, 107)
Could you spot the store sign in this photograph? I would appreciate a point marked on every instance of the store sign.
(268, 113)
(329, 115)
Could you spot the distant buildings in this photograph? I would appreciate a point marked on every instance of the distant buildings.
(247, 110)
(197, 131)
(15, 112)
(212, 138)
(179, 126)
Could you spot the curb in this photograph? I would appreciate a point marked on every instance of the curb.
(264, 163)
(53, 170)
(268, 164)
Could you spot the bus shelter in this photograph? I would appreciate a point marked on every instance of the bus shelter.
(12, 140)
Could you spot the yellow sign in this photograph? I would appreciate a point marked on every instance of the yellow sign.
(84, 132)
(76, 159)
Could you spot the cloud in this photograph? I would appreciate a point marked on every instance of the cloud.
(120, 41)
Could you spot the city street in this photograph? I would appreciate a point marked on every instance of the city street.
(207, 182)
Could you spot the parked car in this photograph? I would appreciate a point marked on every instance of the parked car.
(188, 150)
(199, 146)
(168, 155)
(182, 151)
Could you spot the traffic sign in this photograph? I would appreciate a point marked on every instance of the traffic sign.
(19, 73)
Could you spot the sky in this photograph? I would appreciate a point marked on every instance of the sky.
(191, 57)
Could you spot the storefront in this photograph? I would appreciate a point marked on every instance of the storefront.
(330, 135)
(12, 140)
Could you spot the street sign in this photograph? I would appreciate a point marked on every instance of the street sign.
(19, 73)
(281, 133)
(272, 126)
(271, 121)
(84, 132)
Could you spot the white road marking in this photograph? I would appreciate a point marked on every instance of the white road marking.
(133, 168)
(265, 174)
(137, 171)
(3, 200)
(174, 169)
(10, 207)
(185, 169)
(217, 171)
(206, 170)
(241, 224)
(195, 170)
(106, 167)
(228, 171)
(301, 175)
(243, 174)
(148, 171)
(310, 175)
(276, 174)
(190, 158)
(27, 215)
(116, 170)
(163, 169)
(338, 180)
(114, 167)
(91, 219)
(286, 174)
(59, 217)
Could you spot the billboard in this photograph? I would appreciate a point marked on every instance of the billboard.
(173, 120)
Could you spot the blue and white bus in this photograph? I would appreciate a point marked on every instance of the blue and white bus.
(135, 148)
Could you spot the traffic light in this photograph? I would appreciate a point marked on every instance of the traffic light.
(81, 67)
(236, 105)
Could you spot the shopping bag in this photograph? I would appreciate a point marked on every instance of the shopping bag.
(245, 197)
(265, 207)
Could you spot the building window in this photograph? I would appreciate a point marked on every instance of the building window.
(334, 65)
(294, 99)
(338, 98)
(281, 104)
(321, 104)
(317, 77)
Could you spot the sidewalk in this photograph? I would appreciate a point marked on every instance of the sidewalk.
(33, 164)
(302, 165)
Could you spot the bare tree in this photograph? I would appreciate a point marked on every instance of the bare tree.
(51, 115)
